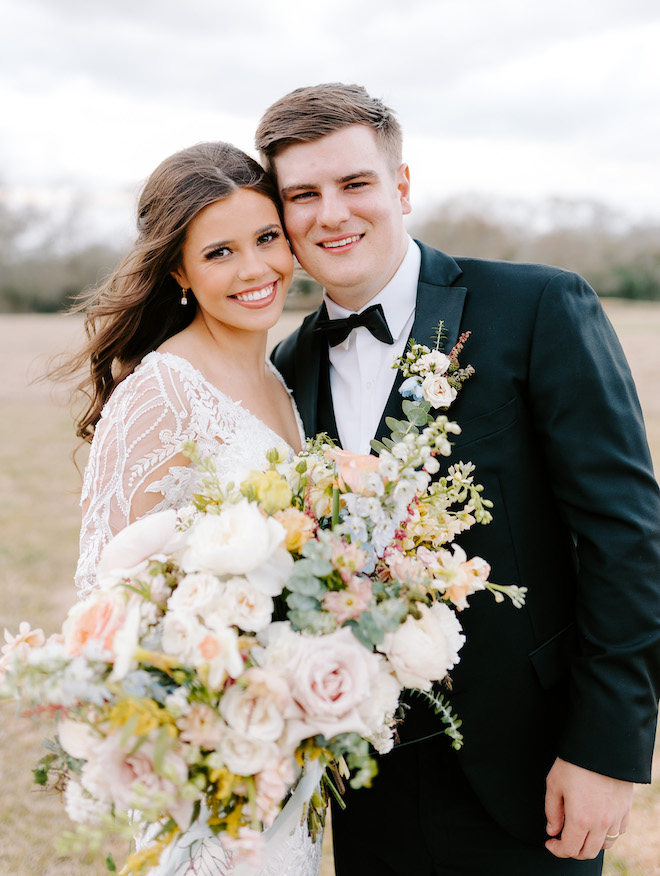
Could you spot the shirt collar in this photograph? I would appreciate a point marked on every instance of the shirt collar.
(398, 298)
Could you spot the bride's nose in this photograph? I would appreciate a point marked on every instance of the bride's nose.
(252, 265)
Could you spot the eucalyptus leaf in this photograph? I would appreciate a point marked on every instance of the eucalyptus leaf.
(302, 603)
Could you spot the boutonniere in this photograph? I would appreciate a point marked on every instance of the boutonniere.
(431, 376)
(433, 379)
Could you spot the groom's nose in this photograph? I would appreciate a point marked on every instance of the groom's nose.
(332, 210)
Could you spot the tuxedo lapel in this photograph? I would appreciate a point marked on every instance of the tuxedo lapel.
(309, 350)
(437, 299)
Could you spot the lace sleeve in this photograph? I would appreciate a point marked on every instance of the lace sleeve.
(136, 465)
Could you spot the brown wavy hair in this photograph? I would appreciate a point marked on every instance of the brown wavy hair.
(138, 307)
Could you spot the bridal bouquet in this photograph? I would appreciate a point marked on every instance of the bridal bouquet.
(269, 628)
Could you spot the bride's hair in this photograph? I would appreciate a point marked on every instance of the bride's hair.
(138, 307)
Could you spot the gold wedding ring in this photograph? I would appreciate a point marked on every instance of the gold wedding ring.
(612, 837)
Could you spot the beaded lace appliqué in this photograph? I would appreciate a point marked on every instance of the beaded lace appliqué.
(163, 403)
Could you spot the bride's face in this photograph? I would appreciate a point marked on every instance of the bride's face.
(237, 261)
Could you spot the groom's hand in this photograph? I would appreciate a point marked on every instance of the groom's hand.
(582, 808)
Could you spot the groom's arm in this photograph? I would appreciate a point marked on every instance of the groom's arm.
(590, 423)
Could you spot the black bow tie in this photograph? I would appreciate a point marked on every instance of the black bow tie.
(373, 318)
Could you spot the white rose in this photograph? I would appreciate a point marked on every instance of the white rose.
(423, 651)
(437, 391)
(257, 710)
(182, 634)
(240, 541)
(245, 755)
(434, 362)
(378, 709)
(195, 592)
(127, 554)
(242, 604)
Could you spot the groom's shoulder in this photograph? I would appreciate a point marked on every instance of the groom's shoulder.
(478, 272)
(285, 352)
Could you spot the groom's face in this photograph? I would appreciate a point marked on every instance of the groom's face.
(343, 209)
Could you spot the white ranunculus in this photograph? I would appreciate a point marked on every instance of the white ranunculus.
(437, 391)
(245, 755)
(423, 651)
(239, 541)
(127, 554)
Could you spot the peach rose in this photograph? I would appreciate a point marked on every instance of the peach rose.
(299, 528)
(353, 469)
(95, 621)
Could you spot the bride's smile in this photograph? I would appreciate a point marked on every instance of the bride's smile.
(236, 262)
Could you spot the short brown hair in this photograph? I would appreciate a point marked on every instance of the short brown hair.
(313, 112)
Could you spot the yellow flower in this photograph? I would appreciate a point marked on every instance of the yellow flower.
(233, 821)
(269, 489)
(139, 863)
(161, 661)
(299, 528)
(144, 715)
(224, 780)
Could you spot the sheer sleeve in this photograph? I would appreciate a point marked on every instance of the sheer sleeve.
(136, 466)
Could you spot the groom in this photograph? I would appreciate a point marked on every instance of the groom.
(558, 699)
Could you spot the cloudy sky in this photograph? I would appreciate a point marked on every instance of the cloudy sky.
(517, 100)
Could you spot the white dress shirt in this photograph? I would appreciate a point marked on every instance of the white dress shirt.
(361, 373)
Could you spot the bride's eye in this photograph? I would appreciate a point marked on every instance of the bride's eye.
(219, 253)
(269, 236)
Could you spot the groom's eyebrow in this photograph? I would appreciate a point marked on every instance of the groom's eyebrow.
(294, 188)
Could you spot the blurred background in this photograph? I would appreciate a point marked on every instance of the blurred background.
(532, 130)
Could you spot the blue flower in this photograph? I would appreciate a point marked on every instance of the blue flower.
(412, 388)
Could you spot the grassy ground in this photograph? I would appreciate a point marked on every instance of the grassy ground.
(39, 519)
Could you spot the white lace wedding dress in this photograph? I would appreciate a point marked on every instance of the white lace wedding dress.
(164, 402)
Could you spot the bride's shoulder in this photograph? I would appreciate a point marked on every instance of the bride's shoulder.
(159, 379)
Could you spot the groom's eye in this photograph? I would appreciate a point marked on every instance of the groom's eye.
(303, 196)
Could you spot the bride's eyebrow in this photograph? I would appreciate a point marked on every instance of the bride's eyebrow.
(269, 226)
(210, 247)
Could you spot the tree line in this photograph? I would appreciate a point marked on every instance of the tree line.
(43, 270)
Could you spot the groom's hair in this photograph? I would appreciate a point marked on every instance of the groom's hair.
(313, 112)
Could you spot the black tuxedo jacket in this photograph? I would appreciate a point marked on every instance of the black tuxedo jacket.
(552, 422)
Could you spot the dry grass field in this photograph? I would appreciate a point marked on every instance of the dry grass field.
(39, 519)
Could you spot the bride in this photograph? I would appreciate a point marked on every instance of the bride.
(177, 351)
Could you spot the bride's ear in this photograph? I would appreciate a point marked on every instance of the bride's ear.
(180, 277)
